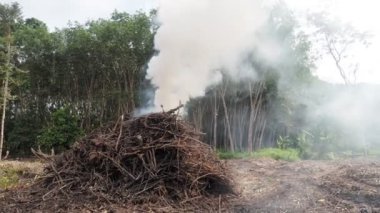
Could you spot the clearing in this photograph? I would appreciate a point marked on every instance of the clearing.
(307, 186)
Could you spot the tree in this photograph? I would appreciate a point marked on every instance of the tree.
(252, 113)
(339, 41)
(96, 69)
(9, 16)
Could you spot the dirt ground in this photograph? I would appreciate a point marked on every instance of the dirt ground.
(267, 185)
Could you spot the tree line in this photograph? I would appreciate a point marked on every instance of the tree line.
(56, 86)
(95, 70)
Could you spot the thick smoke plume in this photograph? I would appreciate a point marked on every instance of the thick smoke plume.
(196, 40)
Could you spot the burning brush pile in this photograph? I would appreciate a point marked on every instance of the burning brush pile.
(154, 162)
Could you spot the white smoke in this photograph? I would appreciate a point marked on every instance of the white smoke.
(198, 38)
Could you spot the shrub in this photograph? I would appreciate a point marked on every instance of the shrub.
(61, 132)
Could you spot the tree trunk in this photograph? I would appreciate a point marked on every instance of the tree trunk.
(215, 121)
(5, 94)
(262, 134)
(255, 109)
(232, 148)
(251, 120)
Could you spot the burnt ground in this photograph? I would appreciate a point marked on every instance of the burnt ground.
(267, 185)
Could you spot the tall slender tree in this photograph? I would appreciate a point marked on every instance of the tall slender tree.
(339, 42)
(9, 16)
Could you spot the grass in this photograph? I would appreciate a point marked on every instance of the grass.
(274, 153)
(234, 155)
(9, 177)
(12, 172)
(278, 154)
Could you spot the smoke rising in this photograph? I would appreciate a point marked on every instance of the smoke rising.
(197, 39)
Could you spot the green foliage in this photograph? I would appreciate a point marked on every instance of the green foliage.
(98, 69)
(284, 142)
(62, 131)
(9, 15)
(300, 142)
(303, 144)
(318, 145)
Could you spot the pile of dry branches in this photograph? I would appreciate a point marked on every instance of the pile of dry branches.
(156, 161)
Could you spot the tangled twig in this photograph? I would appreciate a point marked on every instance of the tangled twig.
(156, 160)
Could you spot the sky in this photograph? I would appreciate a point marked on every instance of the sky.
(57, 13)
(362, 13)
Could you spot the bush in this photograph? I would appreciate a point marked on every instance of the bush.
(62, 131)
(303, 142)
(284, 142)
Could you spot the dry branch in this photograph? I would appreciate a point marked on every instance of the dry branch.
(154, 161)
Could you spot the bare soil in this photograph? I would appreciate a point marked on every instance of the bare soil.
(267, 185)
